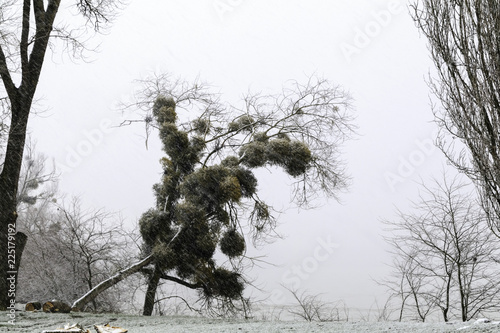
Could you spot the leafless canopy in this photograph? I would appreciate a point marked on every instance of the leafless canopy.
(464, 43)
(445, 258)
(28, 27)
(71, 250)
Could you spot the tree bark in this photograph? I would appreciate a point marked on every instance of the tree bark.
(21, 240)
(9, 179)
(32, 306)
(149, 300)
(20, 99)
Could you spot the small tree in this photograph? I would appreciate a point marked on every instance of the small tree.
(445, 254)
(408, 283)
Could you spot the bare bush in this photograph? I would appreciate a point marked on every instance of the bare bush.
(313, 308)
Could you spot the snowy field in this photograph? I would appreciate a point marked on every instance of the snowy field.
(38, 322)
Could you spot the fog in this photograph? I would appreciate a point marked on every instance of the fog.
(370, 48)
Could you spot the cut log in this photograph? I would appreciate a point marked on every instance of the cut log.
(56, 306)
(33, 306)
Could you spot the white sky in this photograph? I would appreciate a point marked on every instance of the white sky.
(371, 48)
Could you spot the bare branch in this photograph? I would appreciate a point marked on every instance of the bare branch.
(463, 40)
(443, 254)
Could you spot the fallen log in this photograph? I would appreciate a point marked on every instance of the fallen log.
(56, 306)
(94, 292)
(33, 306)
(108, 283)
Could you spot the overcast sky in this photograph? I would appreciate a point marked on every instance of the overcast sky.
(371, 48)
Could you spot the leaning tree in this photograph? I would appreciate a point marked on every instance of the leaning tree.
(208, 195)
(207, 198)
(27, 29)
(464, 43)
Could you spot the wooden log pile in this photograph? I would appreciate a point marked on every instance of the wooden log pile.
(53, 306)
(56, 306)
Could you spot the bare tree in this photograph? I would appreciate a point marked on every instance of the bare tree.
(408, 283)
(70, 250)
(26, 30)
(463, 40)
(89, 240)
(445, 254)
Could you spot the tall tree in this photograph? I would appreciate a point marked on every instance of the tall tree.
(26, 29)
(464, 43)
(208, 191)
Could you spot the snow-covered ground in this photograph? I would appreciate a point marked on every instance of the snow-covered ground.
(38, 322)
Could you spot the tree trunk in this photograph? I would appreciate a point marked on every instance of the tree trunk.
(7, 279)
(403, 303)
(9, 179)
(21, 240)
(149, 300)
(89, 282)
(121, 275)
(154, 280)
(448, 289)
(461, 289)
(20, 99)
